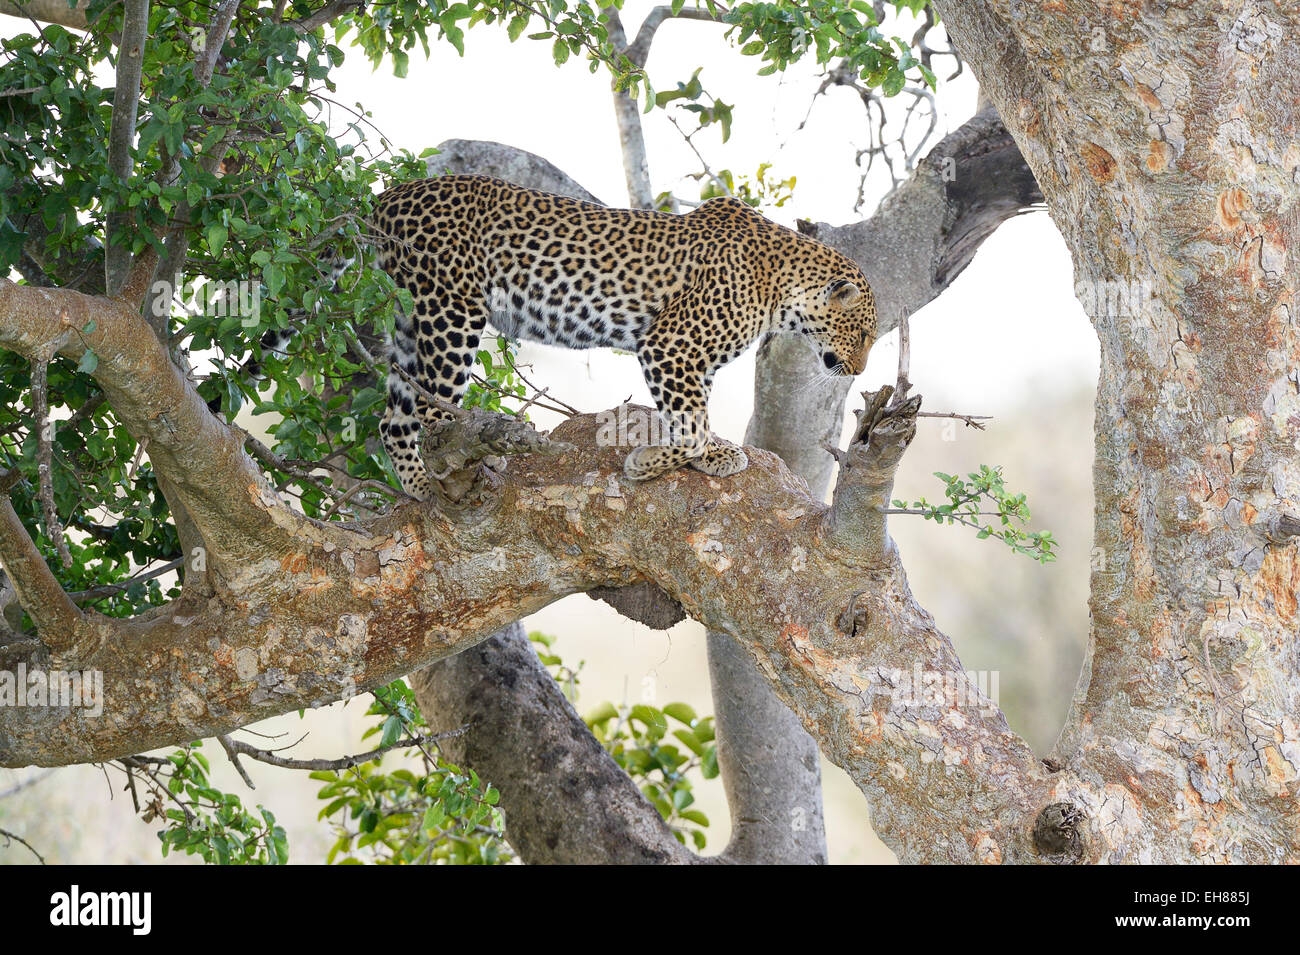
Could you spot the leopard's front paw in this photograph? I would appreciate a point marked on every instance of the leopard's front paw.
(650, 462)
(722, 461)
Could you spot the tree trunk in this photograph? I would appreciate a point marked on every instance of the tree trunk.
(1164, 142)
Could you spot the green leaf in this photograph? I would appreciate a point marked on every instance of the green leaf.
(217, 235)
(392, 731)
(682, 712)
(606, 711)
(690, 741)
(652, 718)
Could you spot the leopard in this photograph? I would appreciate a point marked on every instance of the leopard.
(685, 292)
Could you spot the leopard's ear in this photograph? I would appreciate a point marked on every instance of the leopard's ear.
(842, 293)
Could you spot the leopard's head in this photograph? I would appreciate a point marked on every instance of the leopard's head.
(836, 310)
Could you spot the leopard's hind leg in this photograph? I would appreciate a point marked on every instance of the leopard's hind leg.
(436, 349)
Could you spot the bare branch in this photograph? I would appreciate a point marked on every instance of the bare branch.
(71, 15)
(627, 113)
(40, 402)
(639, 50)
(330, 11)
(206, 61)
(236, 748)
(108, 590)
(11, 837)
(971, 182)
(971, 420)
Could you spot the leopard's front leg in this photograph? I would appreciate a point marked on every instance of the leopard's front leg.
(679, 377)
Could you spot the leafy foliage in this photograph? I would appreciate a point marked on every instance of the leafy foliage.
(967, 499)
(442, 814)
(214, 825)
(782, 33)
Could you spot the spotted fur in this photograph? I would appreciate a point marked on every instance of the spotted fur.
(686, 293)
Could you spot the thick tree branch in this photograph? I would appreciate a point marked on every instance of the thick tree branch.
(48, 11)
(1152, 138)
(121, 136)
(759, 739)
(354, 607)
(480, 158)
(39, 593)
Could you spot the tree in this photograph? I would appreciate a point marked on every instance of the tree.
(1158, 161)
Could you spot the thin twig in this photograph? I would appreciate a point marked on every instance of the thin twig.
(904, 384)
(972, 420)
(45, 452)
(227, 745)
(108, 590)
(346, 762)
(571, 411)
(11, 837)
(25, 783)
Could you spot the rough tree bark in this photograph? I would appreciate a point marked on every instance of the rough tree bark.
(833, 416)
(1164, 140)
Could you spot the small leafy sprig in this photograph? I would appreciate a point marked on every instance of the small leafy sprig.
(969, 502)
(439, 814)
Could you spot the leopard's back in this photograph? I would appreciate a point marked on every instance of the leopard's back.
(545, 268)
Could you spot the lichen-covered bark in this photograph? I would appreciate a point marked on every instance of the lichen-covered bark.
(802, 446)
(913, 247)
(769, 763)
(322, 611)
(1164, 140)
